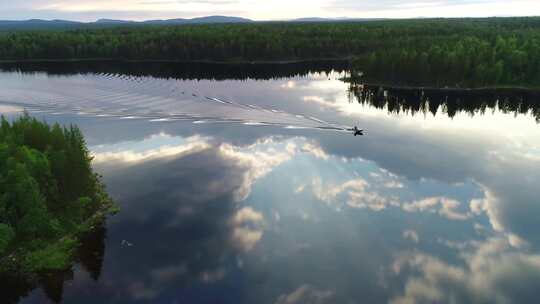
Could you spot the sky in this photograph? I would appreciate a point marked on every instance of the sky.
(90, 10)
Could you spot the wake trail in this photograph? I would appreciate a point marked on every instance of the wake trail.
(132, 97)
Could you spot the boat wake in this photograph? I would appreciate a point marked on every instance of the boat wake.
(130, 97)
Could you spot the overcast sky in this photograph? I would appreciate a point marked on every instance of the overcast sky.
(89, 10)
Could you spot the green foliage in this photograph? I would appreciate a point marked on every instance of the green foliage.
(474, 52)
(47, 190)
(471, 61)
(6, 236)
(56, 256)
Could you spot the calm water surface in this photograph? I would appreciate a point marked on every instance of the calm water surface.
(245, 190)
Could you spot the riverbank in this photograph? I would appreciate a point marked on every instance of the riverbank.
(216, 62)
(469, 91)
(508, 89)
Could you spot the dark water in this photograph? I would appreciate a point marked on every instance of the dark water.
(258, 200)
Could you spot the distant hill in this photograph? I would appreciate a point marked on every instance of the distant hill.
(113, 21)
(217, 19)
(341, 19)
(314, 19)
(38, 24)
(207, 19)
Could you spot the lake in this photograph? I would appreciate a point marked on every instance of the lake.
(242, 184)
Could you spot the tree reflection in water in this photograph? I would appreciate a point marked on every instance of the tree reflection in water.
(451, 101)
(89, 255)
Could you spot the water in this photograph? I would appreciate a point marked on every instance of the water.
(236, 203)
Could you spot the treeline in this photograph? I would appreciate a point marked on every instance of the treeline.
(454, 52)
(469, 61)
(48, 192)
(225, 42)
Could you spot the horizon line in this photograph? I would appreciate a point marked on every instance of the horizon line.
(270, 20)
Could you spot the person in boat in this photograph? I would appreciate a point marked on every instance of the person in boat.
(357, 131)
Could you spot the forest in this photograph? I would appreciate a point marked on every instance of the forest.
(49, 195)
(440, 52)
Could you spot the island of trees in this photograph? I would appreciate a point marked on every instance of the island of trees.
(49, 196)
(439, 52)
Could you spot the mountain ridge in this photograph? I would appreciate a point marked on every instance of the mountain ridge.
(43, 24)
(36, 24)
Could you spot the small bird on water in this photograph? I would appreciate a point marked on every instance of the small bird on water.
(126, 243)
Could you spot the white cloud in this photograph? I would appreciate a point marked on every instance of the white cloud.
(247, 228)
(300, 188)
(394, 185)
(411, 235)
(500, 215)
(247, 214)
(315, 150)
(367, 200)
(264, 10)
(355, 193)
(9, 109)
(258, 159)
(491, 273)
(191, 145)
(443, 206)
(255, 160)
(329, 193)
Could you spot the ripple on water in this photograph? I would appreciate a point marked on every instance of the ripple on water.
(130, 97)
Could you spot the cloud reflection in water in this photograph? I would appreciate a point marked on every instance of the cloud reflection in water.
(422, 209)
(214, 188)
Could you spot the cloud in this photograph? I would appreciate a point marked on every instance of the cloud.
(262, 10)
(443, 206)
(258, 160)
(247, 228)
(492, 273)
(247, 215)
(394, 185)
(307, 294)
(411, 235)
(255, 160)
(355, 193)
(504, 167)
(512, 208)
(315, 150)
(9, 109)
(358, 193)
(192, 145)
(367, 200)
(328, 194)
(263, 156)
(208, 228)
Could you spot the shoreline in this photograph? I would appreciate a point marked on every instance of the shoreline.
(343, 60)
(452, 90)
(205, 61)
(13, 261)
